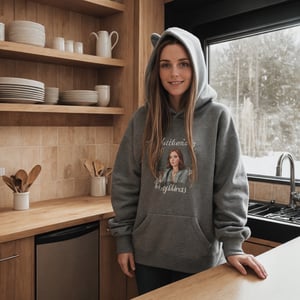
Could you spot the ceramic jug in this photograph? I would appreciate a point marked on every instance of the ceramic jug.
(104, 44)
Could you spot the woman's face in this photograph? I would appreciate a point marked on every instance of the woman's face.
(175, 72)
(174, 159)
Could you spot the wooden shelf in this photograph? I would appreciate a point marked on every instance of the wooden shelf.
(65, 109)
(34, 53)
(99, 8)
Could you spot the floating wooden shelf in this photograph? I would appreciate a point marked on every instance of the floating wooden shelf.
(99, 8)
(33, 53)
(66, 109)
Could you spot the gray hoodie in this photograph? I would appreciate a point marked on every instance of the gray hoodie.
(177, 224)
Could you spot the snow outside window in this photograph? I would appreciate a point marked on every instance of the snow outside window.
(258, 78)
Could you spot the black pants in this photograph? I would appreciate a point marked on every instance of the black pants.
(150, 278)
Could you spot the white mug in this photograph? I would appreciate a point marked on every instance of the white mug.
(2, 31)
(69, 46)
(78, 47)
(59, 43)
(103, 94)
(51, 95)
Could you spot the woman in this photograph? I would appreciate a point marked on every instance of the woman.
(164, 232)
(176, 172)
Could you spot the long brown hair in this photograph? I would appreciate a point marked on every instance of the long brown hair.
(158, 113)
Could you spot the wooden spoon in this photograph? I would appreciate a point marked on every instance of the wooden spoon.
(98, 167)
(108, 172)
(32, 176)
(89, 166)
(22, 175)
(16, 182)
(9, 182)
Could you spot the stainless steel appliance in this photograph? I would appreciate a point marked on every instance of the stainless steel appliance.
(67, 263)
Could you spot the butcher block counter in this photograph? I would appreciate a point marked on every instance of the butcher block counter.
(224, 283)
(45, 216)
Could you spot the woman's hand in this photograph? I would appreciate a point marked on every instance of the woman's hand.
(126, 262)
(239, 261)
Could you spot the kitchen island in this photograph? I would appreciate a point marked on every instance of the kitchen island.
(224, 282)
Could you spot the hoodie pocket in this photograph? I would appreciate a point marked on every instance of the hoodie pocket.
(179, 237)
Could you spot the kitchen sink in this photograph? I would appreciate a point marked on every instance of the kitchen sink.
(274, 211)
(272, 221)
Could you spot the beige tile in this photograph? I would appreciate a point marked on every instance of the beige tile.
(6, 197)
(49, 163)
(49, 136)
(10, 136)
(104, 135)
(66, 136)
(64, 162)
(82, 186)
(251, 189)
(103, 153)
(84, 135)
(11, 158)
(30, 136)
(48, 190)
(30, 157)
(263, 191)
(65, 188)
(281, 193)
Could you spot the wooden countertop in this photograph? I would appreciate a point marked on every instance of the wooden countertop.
(224, 283)
(50, 215)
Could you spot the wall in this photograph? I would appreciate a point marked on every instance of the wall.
(60, 151)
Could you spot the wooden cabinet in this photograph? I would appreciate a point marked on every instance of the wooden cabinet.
(114, 285)
(17, 269)
(258, 246)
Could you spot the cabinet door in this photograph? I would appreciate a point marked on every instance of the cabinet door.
(114, 285)
(257, 246)
(17, 270)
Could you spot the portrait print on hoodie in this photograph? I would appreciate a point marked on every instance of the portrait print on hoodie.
(174, 173)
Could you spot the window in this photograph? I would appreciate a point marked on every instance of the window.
(258, 78)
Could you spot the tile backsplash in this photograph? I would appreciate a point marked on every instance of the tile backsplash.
(264, 191)
(60, 151)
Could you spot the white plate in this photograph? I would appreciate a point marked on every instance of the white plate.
(22, 81)
(20, 100)
(25, 23)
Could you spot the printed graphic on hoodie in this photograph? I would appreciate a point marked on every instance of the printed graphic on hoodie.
(174, 174)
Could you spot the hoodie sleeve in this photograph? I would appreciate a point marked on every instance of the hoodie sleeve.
(230, 189)
(126, 185)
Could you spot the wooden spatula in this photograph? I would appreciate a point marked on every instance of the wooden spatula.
(32, 176)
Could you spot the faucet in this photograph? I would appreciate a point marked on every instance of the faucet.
(294, 196)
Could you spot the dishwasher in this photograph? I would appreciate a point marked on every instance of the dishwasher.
(67, 263)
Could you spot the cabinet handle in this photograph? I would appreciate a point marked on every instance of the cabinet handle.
(9, 257)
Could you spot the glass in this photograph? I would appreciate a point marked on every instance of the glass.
(258, 78)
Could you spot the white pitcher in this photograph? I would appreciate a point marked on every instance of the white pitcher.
(104, 44)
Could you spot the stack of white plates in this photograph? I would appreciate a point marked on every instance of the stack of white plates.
(21, 90)
(26, 32)
(79, 97)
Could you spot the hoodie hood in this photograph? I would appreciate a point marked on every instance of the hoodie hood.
(204, 92)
